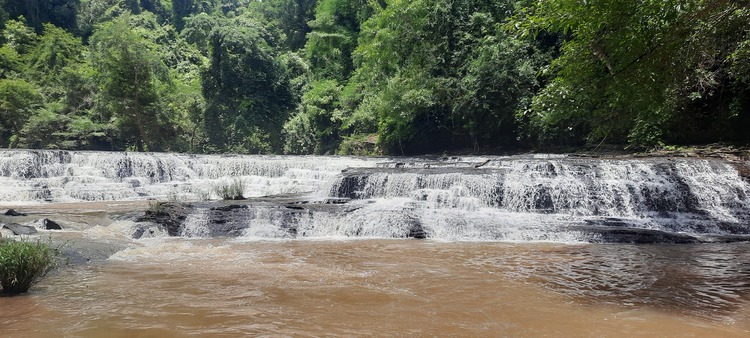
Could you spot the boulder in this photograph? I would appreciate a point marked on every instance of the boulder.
(147, 231)
(12, 212)
(18, 229)
(50, 225)
(171, 216)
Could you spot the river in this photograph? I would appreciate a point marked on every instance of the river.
(512, 247)
(178, 287)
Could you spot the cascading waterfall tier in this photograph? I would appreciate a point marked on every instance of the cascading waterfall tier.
(71, 176)
(655, 196)
(523, 198)
(615, 188)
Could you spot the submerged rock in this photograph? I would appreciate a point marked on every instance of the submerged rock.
(18, 229)
(79, 251)
(637, 236)
(147, 231)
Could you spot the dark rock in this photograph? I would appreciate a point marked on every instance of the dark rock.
(138, 233)
(482, 164)
(609, 222)
(638, 236)
(12, 212)
(143, 231)
(229, 207)
(416, 231)
(85, 251)
(50, 225)
(351, 185)
(337, 200)
(726, 239)
(169, 215)
(18, 229)
(543, 202)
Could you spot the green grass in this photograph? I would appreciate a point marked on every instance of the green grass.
(23, 263)
(231, 190)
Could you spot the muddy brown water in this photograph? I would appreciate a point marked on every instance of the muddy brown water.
(175, 287)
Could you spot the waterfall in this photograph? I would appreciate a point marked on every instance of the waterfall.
(70, 176)
(635, 188)
(541, 199)
(522, 198)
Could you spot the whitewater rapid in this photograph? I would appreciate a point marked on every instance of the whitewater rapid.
(524, 198)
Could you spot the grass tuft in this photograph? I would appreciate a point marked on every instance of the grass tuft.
(231, 190)
(23, 263)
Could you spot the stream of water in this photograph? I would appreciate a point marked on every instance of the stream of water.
(391, 288)
(513, 246)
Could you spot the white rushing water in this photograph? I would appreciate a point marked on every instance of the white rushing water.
(537, 198)
(67, 176)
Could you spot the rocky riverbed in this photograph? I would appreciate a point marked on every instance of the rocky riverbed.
(695, 195)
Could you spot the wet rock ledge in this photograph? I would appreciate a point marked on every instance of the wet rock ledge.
(231, 218)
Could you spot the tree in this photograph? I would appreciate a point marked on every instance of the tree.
(55, 50)
(642, 72)
(61, 13)
(246, 88)
(333, 37)
(315, 126)
(19, 37)
(131, 77)
(441, 74)
(19, 100)
(291, 16)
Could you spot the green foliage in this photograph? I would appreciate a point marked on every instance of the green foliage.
(61, 13)
(246, 88)
(233, 190)
(19, 100)
(442, 74)
(291, 16)
(197, 29)
(133, 78)
(18, 36)
(56, 50)
(10, 62)
(369, 76)
(359, 145)
(334, 36)
(314, 127)
(23, 264)
(642, 71)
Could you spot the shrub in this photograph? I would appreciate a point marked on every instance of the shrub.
(359, 145)
(155, 206)
(23, 264)
(231, 190)
(202, 195)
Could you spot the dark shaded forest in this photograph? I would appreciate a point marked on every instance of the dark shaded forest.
(372, 76)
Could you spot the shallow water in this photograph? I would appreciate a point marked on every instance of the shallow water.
(217, 287)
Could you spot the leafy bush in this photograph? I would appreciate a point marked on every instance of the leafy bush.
(23, 264)
(360, 145)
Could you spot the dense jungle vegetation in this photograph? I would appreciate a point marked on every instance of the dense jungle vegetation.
(372, 76)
